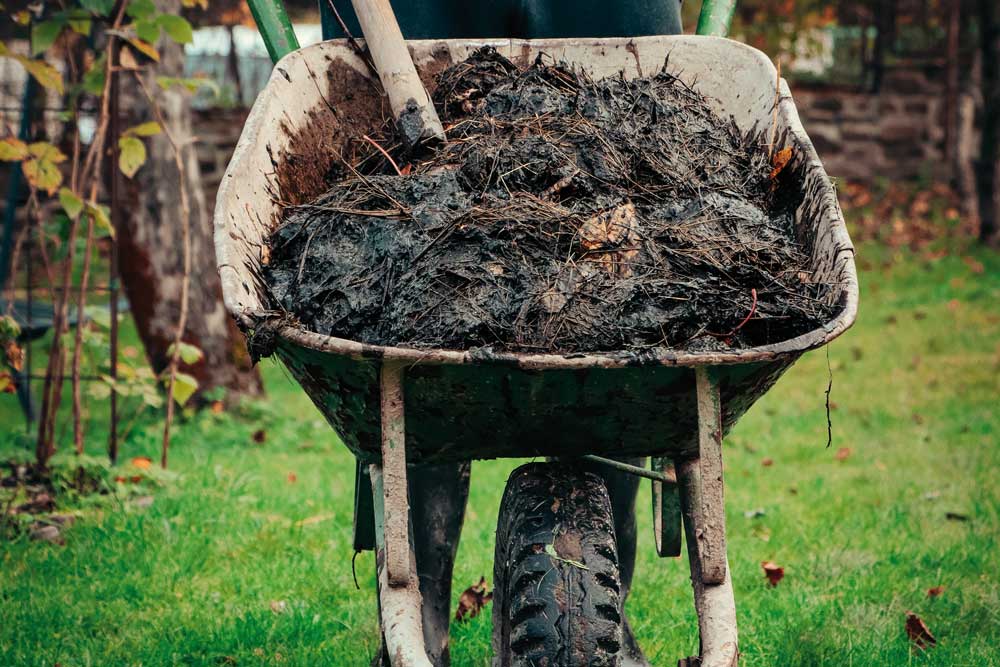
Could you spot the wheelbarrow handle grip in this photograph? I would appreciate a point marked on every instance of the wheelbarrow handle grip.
(406, 92)
(274, 27)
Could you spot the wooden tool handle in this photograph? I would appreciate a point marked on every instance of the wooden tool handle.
(415, 115)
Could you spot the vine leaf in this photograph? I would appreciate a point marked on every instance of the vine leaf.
(145, 48)
(44, 34)
(101, 215)
(184, 387)
(147, 129)
(176, 27)
(45, 74)
(13, 150)
(70, 202)
(131, 156)
(190, 354)
(42, 166)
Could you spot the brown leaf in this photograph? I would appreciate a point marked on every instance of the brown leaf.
(843, 454)
(15, 355)
(611, 238)
(780, 161)
(292, 478)
(935, 591)
(7, 383)
(472, 600)
(259, 436)
(767, 462)
(217, 407)
(279, 606)
(773, 572)
(974, 264)
(918, 632)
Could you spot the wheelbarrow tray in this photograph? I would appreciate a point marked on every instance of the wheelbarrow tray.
(462, 405)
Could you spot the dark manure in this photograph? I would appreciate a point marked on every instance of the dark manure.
(563, 215)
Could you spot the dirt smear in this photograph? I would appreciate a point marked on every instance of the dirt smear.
(563, 215)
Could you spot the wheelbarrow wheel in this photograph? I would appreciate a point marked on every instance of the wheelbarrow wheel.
(556, 583)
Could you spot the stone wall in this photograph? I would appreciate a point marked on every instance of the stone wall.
(896, 134)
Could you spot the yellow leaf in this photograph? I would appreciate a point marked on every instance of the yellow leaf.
(131, 155)
(22, 17)
(43, 150)
(13, 150)
(145, 129)
(44, 73)
(70, 202)
(184, 388)
(145, 48)
(42, 174)
(101, 216)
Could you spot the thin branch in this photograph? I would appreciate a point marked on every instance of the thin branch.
(186, 277)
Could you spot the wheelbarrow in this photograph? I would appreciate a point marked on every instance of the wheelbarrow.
(395, 406)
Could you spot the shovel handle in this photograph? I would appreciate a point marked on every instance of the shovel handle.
(415, 114)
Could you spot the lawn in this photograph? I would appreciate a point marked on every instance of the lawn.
(244, 556)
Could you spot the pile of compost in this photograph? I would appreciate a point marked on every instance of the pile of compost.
(562, 215)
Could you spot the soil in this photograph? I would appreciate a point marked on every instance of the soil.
(563, 215)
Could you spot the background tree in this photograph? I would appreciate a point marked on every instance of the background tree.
(151, 244)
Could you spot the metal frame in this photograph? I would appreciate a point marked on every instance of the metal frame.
(695, 495)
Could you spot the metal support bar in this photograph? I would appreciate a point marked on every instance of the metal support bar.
(396, 506)
(666, 509)
(655, 475)
(700, 481)
(400, 606)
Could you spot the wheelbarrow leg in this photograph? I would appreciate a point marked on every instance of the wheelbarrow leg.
(700, 481)
(398, 587)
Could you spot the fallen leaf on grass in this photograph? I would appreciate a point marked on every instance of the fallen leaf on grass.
(918, 632)
(279, 606)
(472, 600)
(142, 462)
(843, 454)
(46, 533)
(974, 264)
(292, 478)
(773, 572)
(259, 436)
(767, 463)
(935, 591)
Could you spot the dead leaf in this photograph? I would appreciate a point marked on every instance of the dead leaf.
(611, 239)
(935, 591)
(472, 600)
(918, 632)
(773, 572)
(279, 606)
(142, 462)
(217, 407)
(15, 355)
(974, 264)
(843, 454)
(7, 383)
(292, 478)
(780, 161)
(767, 462)
(259, 436)
(46, 533)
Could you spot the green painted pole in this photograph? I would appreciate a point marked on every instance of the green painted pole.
(275, 27)
(715, 17)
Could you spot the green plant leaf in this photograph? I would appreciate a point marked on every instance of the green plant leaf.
(190, 354)
(42, 167)
(44, 34)
(184, 387)
(93, 78)
(176, 27)
(72, 204)
(147, 30)
(101, 215)
(140, 9)
(13, 150)
(147, 129)
(98, 7)
(131, 156)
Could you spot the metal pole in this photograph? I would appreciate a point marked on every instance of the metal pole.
(275, 27)
(113, 270)
(715, 17)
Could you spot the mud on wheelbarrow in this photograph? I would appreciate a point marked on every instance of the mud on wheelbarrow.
(395, 406)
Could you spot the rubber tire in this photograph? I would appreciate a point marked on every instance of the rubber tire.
(548, 611)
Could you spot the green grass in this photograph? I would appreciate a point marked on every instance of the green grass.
(191, 579)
